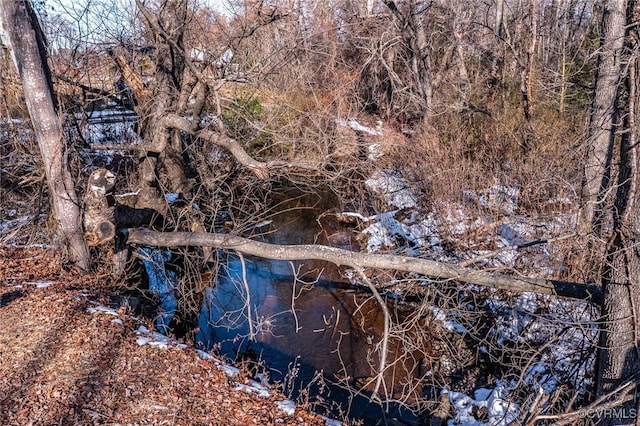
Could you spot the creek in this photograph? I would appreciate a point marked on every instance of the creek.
(302, 323)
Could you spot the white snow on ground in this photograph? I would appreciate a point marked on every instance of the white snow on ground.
(353, 123)
(562, 332)
(373, 149)
(500, 411)
(153, 338)
(254, 387)
(374, 152)
(387, 231)
(496, 197)
(448, 324)
(288, 406)
(103, 310)
(171, 197)
(332, 422)
(41, 283)
(394, 188)
(7, 225)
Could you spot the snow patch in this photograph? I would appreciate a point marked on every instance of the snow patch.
(205, 355)
(253, 387)
(332, 422)
(497, 197)
(410, 232)
(41, 283)
(288, 406)
(355, 125)
(500, 411)
(171, 197)
(155, 339)
(448, 324)
(229, 370)
(394, 188)
(374, 152)
(565, 353)
(101, 309)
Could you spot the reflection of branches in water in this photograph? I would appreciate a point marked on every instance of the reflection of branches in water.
(252, 336)
(384, 343)
(294, 295)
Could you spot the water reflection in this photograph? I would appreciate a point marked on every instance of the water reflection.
(322, 323)
(301, 322)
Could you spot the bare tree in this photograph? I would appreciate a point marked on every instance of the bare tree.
(29, 54)
(604, 118)
(619, 358)
(410, 19)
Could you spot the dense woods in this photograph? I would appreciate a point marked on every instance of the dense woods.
(488, 112)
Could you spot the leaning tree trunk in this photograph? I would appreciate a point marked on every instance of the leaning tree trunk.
(29, 54)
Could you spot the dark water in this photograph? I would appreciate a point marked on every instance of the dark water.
(304, 320)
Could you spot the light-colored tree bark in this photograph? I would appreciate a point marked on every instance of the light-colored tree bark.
(604, 118)
(29, 54)
(358, 260)
(526, 79)
(619, 357)
(499, 25)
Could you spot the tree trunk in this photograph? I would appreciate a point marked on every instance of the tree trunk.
(29, 54)
(168, 26)
(340, 257)
(619, 357)
(499, 19)
(604, 118)
(412, 26)
(527, 72)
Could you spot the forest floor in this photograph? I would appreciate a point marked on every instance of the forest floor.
(64, 362)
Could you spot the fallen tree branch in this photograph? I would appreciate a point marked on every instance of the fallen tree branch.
(356, 260)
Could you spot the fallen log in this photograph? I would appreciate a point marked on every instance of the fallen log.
(430, 268)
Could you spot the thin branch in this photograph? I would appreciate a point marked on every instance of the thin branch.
(385, 336)
(116, 147)
(619, 395)
(252, 334)
(469, 262)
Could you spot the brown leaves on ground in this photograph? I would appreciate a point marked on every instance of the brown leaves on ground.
(60, 364)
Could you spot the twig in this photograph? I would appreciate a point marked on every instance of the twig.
(598, 405)
(293, 296)
(385, 336)
(252, 335)
(116, 147)
(494, 253)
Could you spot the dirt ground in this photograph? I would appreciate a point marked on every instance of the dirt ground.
(63, 365)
